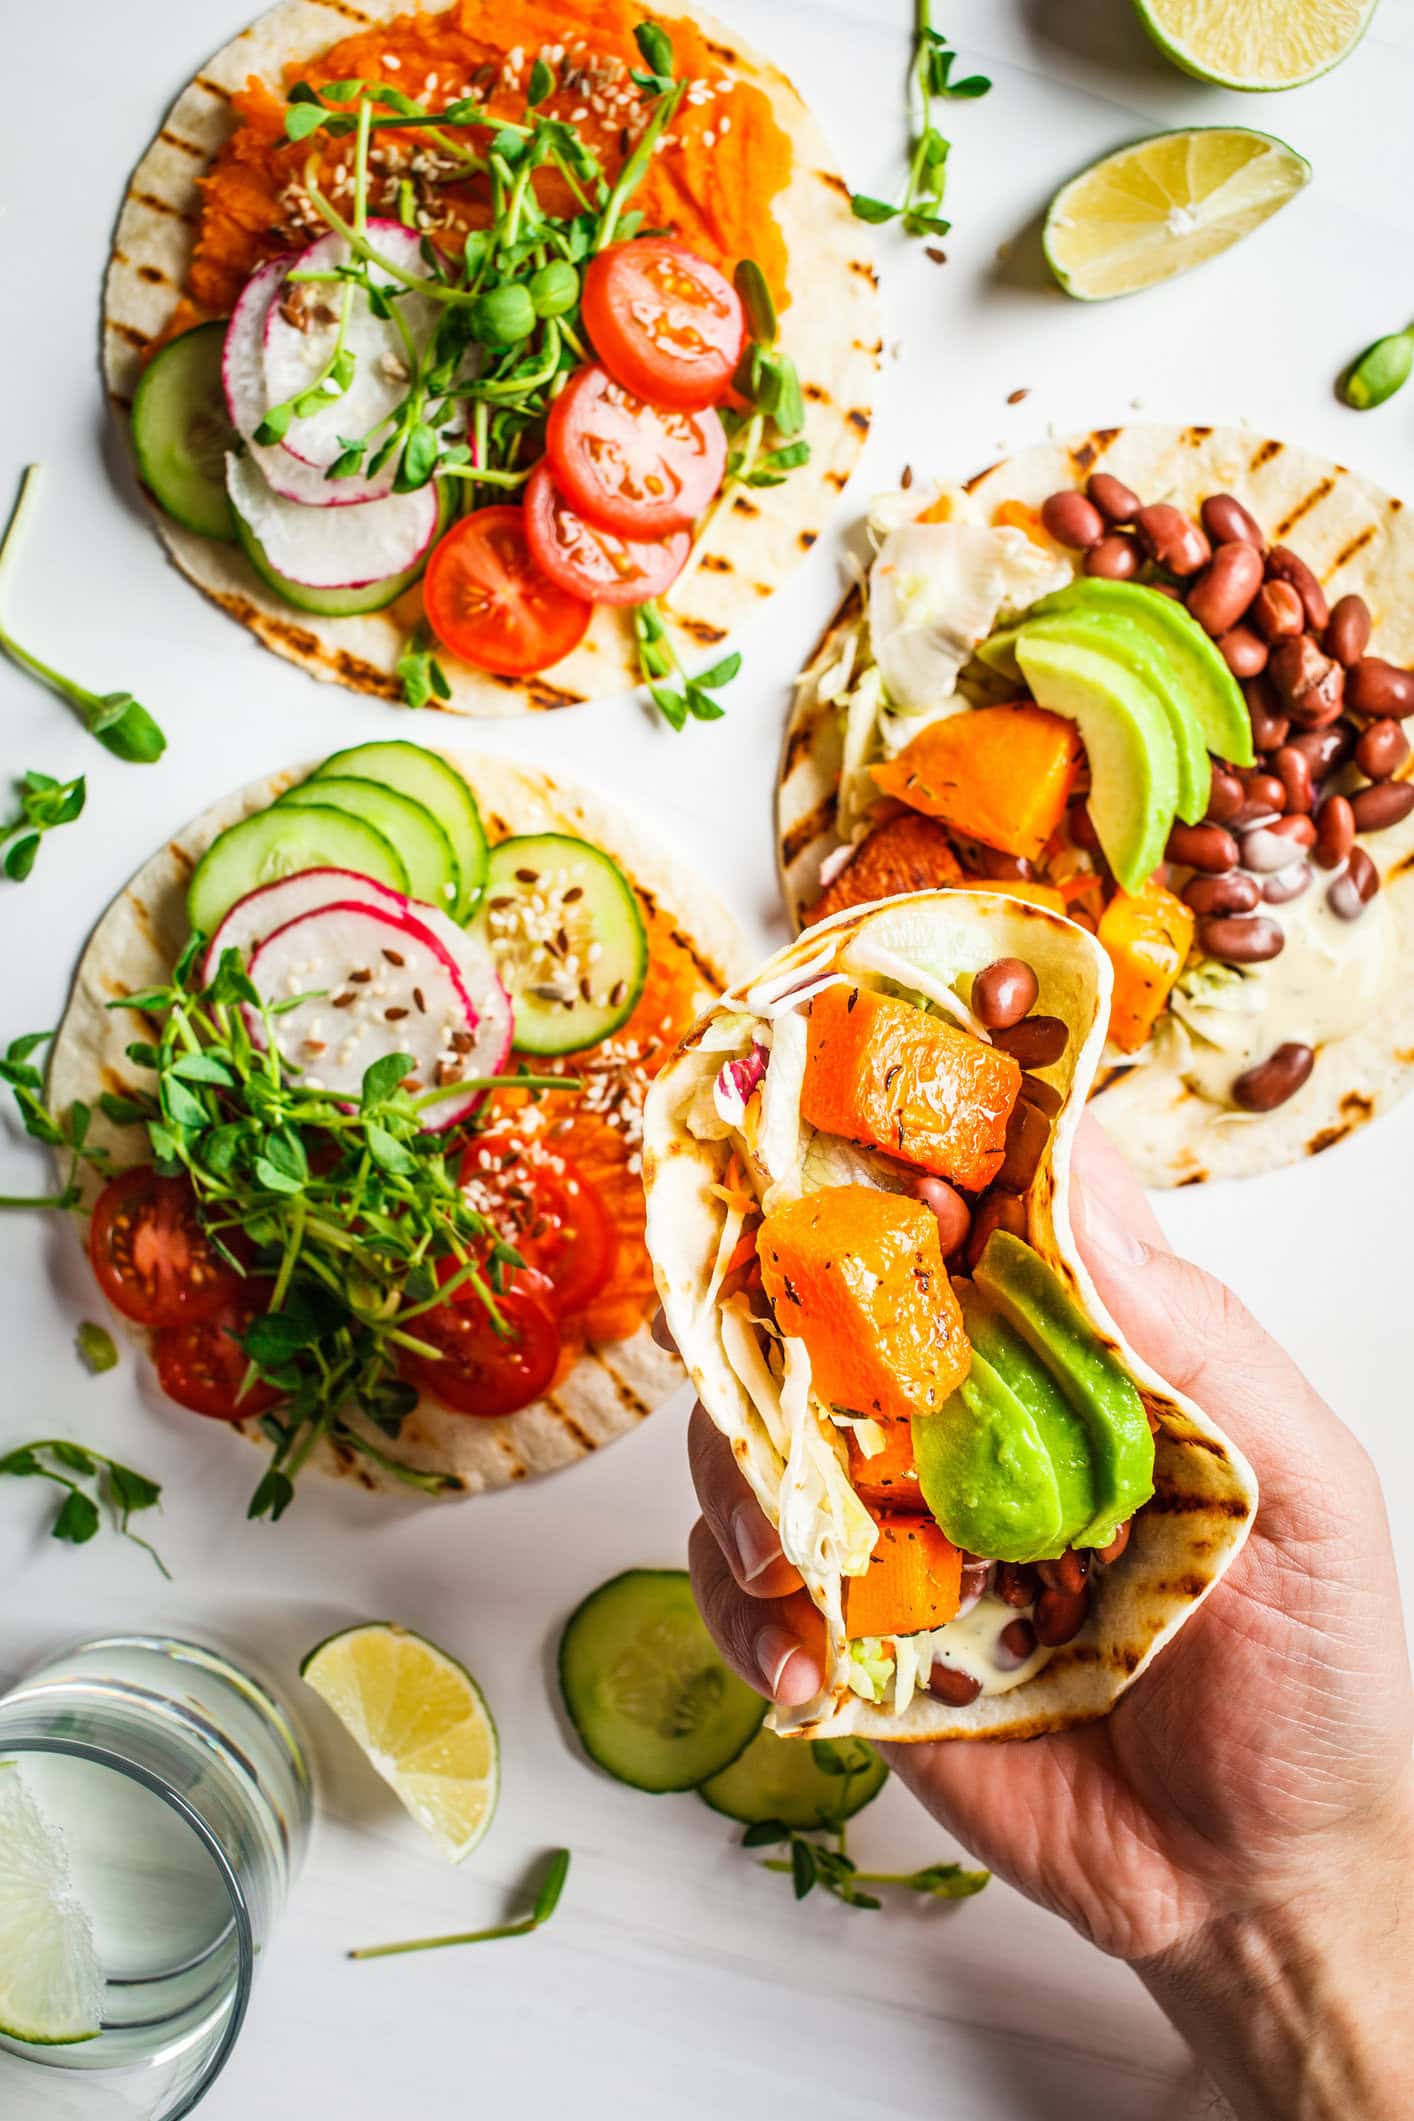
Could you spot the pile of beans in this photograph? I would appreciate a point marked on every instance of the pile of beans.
(1325, 721)
(1051, 1600)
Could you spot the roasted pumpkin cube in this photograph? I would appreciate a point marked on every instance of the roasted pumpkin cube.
(913, 1581)
(886, 1074)
(908, 853)
(1147, 935)
(888, 1479)
(858, 1276)
(1002, 775)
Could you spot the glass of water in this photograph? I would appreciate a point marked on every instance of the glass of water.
(182, 1795)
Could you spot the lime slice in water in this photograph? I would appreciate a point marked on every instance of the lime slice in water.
(423, 1722)
(1152, 210)
(1256, 44)
(51, 1984)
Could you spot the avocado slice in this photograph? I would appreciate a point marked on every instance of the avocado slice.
(985, 1473)
(1064, 1434)
(1197, 665)
(1133, 758)
(1036, 1304)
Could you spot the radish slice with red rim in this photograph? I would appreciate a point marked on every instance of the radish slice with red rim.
(261, 912)
(333, 548)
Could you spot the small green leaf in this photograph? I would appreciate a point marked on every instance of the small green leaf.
(132, 1491)
(78, 1520)
(757, 300)
(275, 426)
(388, 1153)
(542, 80)
(96, 1347)
(272, 1497)
(873, 210)
(302, 119)
(766, 1833)
(203, 1068)
(383, 1078)
(548, 1897)
(656, 47)
(721, 673)
(804, 1871)
(19, 858)
(1381, 370)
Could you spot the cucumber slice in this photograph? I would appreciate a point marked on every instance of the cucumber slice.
(181, 432)
(279, 842)
(433, 875)
(803, 1783)
(651, 1700)
(431, 781)
(338, 603)
(549, 900)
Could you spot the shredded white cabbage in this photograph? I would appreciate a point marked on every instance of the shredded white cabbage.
(744, 1353)
(784, 987)
(866, 953)
(935, 592)
(778, 1140)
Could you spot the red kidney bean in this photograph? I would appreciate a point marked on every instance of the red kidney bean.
(1107, 1556)
(1286, 884)
(1007, 868)
(1381, 750)
(1059, 1617)
(1116, 502)
(1068, 1572)
(1165, 589)
(1225, 796)
(1172, 539)
(1233, 893)
(1275, 1079)
(1271, 847)
(1036, 1041)
(954, 1215)
(1335, 831)
(1226, 520)
(1284, 565)
(956, 1688)
(1016, 1643)
(1348, 630)
(1072, 520)
(1294, 771)
(1296, 665)
(995, 1211)
(1114, 559)
(1226, 587)
(1044, 1096)
(1324, 749)
(1386, 803)
(1207, 847)
(1381, 689)
(1028, 1131)
(1241, 940)
(1016, 1583)
(1266, 790)
(1278, 611)
(1269, 724)
(1244, 652)
(1003, 993)
(1351, 892)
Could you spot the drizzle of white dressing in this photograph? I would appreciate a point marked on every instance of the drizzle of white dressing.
(969, 1644)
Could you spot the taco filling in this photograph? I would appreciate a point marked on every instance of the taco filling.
(1151, 720)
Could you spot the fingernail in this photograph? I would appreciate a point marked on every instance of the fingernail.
(1102, 1228)
(787, 1666)
(756, 1543)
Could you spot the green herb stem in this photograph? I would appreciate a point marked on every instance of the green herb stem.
(547, 1900)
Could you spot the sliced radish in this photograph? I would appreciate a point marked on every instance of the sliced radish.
(294, 358)
(380, 982)
(273, 906)
(333, 548)
(248, 401)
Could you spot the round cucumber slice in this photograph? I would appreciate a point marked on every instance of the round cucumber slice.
(803, 1783)
(433, 876)
(337, 603)
(279, 842)
(653, 1703)
(432, 781)
(566, 931)
(181, 432)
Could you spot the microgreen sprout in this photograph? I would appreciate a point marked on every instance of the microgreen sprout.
(79, 1518)
(421, 675)
(96, 1348)
(546, 1901)
(658, 660)
(115, 718)
(67, 1133)
(44, 804)
(929, 76)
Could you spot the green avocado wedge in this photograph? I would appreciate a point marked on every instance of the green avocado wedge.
(985, 1473)
(1064, 1434)
(1037, 1305)
(1133, 761)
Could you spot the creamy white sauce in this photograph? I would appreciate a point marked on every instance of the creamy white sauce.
(970, 1644)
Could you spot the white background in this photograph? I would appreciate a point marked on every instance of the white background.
(677, 1980)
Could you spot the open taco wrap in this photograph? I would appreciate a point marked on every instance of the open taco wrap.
(1258, 907)
(859, 1218)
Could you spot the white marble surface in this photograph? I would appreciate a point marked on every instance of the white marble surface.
(676, 1980)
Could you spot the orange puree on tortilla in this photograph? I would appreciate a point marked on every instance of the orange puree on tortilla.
(712, 185)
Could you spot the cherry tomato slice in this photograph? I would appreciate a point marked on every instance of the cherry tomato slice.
(640, 469)
(479, 1372)
(595, 563)
(153, 1260)
(544, 1205)
(201, 1365)
(664, 322)
(488, 602)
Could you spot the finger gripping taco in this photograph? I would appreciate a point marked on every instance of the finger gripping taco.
(858, 1212)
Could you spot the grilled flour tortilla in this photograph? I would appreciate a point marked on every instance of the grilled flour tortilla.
(792, 1453)
(1357, 539)
(614, 1384)
(831, 329)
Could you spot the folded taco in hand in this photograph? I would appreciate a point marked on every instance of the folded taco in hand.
(857, 1169)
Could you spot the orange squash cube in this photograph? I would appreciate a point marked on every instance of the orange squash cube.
(885, 1073)
(858, 1275)
(888, 1480)
(913, 1582)
(1002, 775)
(909, 853)
(1148, 936)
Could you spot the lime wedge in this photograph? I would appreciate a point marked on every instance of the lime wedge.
(51, 1984)
(422, 1721)
(1256, 44)
(1150, 211)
